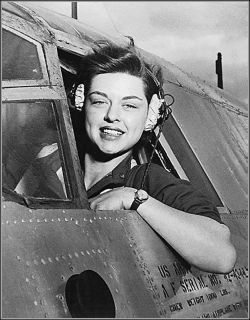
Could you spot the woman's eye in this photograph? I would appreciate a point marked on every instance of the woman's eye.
(98, 102)
(130, 106)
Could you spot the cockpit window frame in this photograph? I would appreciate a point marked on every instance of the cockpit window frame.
(50, 88)
(30, 82)
(74, 198)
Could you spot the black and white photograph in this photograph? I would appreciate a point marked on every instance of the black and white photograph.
(124, 159)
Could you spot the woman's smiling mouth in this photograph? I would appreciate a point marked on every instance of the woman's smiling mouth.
(112, 132)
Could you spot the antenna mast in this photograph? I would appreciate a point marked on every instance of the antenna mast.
(218, 70)
(74, 9)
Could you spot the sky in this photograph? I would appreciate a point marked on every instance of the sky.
(189, 34)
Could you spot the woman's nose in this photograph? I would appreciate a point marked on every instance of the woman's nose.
(113, 113)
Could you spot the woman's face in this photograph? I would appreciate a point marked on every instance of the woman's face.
(116, 110)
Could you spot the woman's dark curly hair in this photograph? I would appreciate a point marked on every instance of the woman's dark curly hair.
(110, 58)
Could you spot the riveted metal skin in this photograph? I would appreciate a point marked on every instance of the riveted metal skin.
(42, 249)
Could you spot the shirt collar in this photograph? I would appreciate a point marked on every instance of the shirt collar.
(116, 178)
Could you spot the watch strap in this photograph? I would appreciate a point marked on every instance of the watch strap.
(135, 204)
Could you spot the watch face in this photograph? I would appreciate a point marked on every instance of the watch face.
(142, 195)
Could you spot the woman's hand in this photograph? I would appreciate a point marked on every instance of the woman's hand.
(114, 199)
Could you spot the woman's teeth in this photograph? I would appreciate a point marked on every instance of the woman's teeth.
(112, 132)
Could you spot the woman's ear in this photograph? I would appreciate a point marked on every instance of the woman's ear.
(79, 97)
(153, 113)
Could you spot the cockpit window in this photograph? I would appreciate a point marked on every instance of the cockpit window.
(31, 160)
(20, 59)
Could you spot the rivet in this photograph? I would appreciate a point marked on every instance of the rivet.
(63, 211)
(66, 219)
(57, 259)
(131, 245)
(76, 254)
(15, 221)
(4, 206)
(70, 256)
(105, 218)
(90, 221)
(116, 290)
(23, 220)
(52, 220)
(99, 251)
(30, 210)
(7, 222)
(45, 220)
(58, 219)
(43, 302)
(38, 220)
(82, 253)
(87, 252)
(27, 280)
(84, 219)
(50, 260)
(18, 258)
(30, 220)
(77, 222)
(100, 218)
(94, 218)
(60, 297)
(110, 275)
(63, 257)
(93, 250)
(35, 303)
(43, 261)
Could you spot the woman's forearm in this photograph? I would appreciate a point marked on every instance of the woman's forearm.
(201, 241)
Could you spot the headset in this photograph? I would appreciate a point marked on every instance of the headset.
(164, 112)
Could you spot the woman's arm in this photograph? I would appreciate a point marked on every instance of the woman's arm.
(201, 241)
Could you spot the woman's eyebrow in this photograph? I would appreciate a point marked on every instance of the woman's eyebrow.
(132, 97)
(100, 93)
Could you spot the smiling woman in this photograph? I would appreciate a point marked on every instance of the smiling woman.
(116, 112)
(121, 101)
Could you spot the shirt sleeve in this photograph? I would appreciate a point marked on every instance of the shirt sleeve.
(174, 192)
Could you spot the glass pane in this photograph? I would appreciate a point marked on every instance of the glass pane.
(31, 163)
(188, 160)
(20, 58)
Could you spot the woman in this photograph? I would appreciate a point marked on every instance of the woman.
(120, 100)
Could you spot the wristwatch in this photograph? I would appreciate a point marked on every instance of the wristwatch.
(140, 197)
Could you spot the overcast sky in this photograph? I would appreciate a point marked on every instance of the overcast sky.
(186, 33)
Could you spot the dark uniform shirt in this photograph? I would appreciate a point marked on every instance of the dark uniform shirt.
(161, 185)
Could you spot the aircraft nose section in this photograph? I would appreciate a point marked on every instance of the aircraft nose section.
(88, 296)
